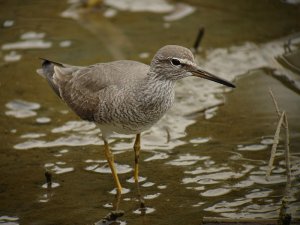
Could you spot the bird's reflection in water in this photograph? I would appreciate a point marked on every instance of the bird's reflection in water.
(113, 216)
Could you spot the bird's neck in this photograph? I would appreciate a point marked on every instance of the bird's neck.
(157, 93)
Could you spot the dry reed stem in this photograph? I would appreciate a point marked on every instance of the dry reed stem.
(274, 146)
(276, 105)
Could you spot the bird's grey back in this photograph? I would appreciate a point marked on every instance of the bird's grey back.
(81, 87)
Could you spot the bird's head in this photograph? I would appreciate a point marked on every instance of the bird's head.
(174, 62)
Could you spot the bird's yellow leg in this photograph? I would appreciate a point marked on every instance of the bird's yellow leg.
(110, 159)
(137, 148)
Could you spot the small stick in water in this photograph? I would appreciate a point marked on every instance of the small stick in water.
(48, 176)
(198, 39)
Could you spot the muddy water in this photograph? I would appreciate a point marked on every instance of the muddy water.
(208, 156)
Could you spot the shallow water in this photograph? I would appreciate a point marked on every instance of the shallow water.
(207, 157)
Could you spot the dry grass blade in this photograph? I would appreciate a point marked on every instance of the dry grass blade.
(276, 106)
(274, 146)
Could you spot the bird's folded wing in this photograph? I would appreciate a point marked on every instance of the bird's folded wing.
(82, 89)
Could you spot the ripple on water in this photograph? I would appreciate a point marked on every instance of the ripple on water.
(210, 113)
(214, 178)
(200, 140)
(157, 156)
(8, 23)
(124, 191)
(12, 56)
(61, 152)
(53, 185)
(74, 126)
(146, 210)
(95, 161)
(115, 222)
(181, 10)
(108, 205)
(57, 169)
(239, 215)
(201, 170)
(257, 193)
(43, 120)
(32, 35)
(141, 179)
(158, 6)
(65, 44)
(186, 160)
(33, 135)
(273, 179)
(215, 192)
(29, 40)
(161, 187)
(106, 169)
(9, 220)
(28, 44)
(254, 147)
(148, 184)
(153, 196)
(21, 109)
(243, 184)
(72, 140)
(267, 141)
(226, 206)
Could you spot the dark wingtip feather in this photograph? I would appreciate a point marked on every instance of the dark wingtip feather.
(47, 62)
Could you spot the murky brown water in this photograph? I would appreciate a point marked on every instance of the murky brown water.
(215, 160)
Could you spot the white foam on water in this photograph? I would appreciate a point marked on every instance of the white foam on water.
(27, 44)
(152, 196)
(215, 192)
(156, 6)
(21, 109)
(8, 23)
(106, 169)
(225, 206)
(254, 147)
(12, 56)
(32, 35)
(180, 11)
(146, 210)
(157, 156)
(186, 160)
(141, 179)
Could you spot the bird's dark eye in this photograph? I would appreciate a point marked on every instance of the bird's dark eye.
(175, 62)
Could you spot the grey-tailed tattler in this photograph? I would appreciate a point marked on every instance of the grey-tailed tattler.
(125, 96)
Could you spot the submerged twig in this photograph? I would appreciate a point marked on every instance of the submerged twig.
(48, 176)
(274, 146)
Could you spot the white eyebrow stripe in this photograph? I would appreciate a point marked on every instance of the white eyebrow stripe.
(185, 61)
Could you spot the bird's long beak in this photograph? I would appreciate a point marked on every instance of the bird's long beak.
(198, 72)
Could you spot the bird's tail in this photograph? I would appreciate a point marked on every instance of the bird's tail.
(47, 71)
